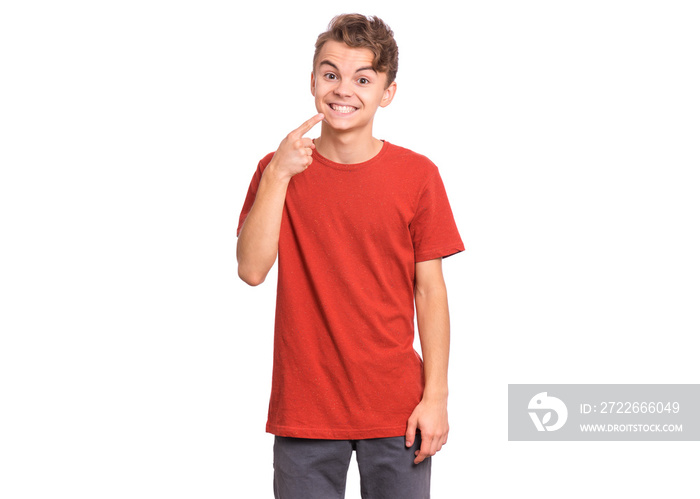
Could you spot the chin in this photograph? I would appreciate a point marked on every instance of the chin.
(340, 125)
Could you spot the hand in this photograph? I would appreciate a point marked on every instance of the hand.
(431, 419)
(294, 153)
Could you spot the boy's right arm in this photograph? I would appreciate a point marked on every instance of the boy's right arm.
(256, 250)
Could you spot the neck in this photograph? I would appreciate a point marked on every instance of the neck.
(347, 147)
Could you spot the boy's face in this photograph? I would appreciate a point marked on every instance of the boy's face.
(346, 88)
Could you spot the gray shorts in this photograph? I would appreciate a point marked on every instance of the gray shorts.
(317, 469)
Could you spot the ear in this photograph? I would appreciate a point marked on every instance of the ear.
(313, 84)
(388, 95)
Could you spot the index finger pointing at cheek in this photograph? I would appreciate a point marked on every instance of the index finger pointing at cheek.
(309, 124)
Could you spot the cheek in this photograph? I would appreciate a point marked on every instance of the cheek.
(375, 99)
(318, 90)
(318, 103)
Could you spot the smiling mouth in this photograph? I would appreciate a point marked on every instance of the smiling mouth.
(342, 109)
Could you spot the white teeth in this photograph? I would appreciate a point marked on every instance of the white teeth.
(342, 109)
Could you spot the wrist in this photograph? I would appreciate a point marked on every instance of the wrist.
(273, 173)
(435, 395)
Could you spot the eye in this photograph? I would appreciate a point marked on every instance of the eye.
(363, 81)
(330, 76)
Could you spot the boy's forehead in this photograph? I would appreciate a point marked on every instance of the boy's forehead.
(340, 53)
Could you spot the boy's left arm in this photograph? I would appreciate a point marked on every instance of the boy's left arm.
(430, 415)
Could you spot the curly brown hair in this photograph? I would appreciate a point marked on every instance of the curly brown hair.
(358, 31)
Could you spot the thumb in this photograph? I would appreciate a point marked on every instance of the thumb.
(410, 432)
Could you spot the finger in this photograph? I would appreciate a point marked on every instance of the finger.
(429, 447)
(410, 433)
(305, 155)
(424, 450)
(308, 124)
(309, 143)
(421, 454)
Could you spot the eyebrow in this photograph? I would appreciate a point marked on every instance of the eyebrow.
(364, 68)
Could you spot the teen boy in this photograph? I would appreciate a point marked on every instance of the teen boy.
(360, 227)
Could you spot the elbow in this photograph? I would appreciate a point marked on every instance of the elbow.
(437, 290)
(250, 277)
(252, 269)
(247, 270)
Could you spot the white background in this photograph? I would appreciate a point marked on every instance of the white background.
(135, 364)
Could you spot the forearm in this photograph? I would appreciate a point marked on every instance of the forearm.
(258, 240)
(434, 330)
(430, 415)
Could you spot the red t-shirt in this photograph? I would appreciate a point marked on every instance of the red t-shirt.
(344, 364)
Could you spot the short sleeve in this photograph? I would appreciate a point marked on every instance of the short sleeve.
(433, 228)
(252, 191)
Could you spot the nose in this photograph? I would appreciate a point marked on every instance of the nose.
(343, 88)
